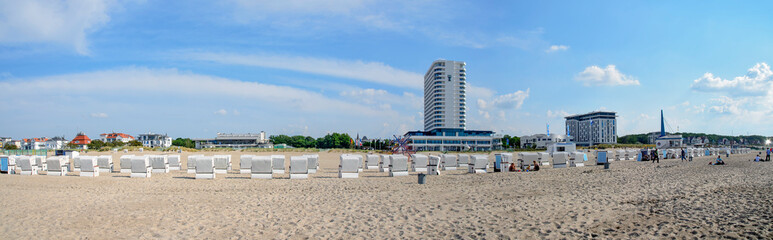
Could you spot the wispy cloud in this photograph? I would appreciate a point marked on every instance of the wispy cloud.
(99, 115)
(221, 112)
(58, 22)
(609, 76)
(557, 114)
(375, 72)
(556, 48)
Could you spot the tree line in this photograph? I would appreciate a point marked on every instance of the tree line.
(332, 140)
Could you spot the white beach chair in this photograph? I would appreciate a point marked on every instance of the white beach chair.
(26, 165)
(191, 164)
(40, 163)
(245, 164)
(632, 154)
(89, 166)
(620, 155)
(478, 164)
(433, 165)
(464, 161)
(449, 162)
(158, 163)
(371, 161)
(398, 165)
(560, 159)
(174, 162)
(56, 166)
(76, 163)
(299, 167)
(140, 167)
(577, 159)
(278, 164)
(222, 163)
(260, 168)
(205, 167)
(105, 163)
(383, 166)
(544, 158)
(504, 160)
(313, 162)
(419, 162)
(126, 163)
(527, 159)
(349, 166)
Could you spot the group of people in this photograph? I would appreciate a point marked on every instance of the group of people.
(767, 155)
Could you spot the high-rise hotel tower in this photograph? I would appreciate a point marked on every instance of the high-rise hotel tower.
(445, 113)
(444, 96)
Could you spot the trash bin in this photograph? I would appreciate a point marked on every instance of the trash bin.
(422, 178)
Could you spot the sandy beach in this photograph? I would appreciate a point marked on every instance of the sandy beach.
(670, 199)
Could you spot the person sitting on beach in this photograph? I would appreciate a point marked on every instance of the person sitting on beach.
(757, 159)
(536, 166)
(718, 162)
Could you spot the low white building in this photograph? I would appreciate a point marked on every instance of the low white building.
(543, 140)
(231, 140)
(115, 137)
(56, 143)
(154, 140)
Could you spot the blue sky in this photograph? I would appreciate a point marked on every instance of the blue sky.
(195, 68)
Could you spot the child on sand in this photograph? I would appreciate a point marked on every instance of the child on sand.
(718, 162)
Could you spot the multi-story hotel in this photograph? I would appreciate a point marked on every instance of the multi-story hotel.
(445, 111)
(592, 128)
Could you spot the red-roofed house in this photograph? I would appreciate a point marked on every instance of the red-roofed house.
(81, 140)
(113, 137)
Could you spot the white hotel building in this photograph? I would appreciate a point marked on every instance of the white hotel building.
(599, 127)
(445, 112)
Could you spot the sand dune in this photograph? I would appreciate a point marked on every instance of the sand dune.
(630, 200)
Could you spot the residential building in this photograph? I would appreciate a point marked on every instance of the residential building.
(56, 143)
(34, 143)
(231, 140)
(81, 140)
(445, 111)
(543, 140)
(154, 140)
(599, 127)
(115, 137)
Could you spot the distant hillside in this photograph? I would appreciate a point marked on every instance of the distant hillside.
(643, 138)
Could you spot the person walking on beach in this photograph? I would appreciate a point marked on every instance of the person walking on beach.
(767, 156)
(655, 155)
(683, 157)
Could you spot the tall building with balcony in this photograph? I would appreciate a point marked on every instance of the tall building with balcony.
(599, 127)
(445, 113)
(444, 96)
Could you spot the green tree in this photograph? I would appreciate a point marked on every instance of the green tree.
(9, 146)
(184, 142)
(96, 144)
(135, 143)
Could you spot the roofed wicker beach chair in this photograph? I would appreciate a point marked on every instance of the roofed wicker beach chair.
(261, 168)
(299, 167)
(349, 166)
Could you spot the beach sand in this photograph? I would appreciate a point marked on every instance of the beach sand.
(630, 200)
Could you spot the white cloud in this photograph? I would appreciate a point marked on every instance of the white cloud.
(556, 48)
(758, 81)
(686, 103)
(511, 100)
(58, 22)
(172, 81)
(99, 115)
(374, 72)
(236, 112)
(557, 114)
(609, 76)
(221, 112)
